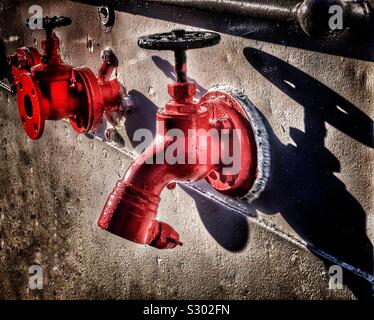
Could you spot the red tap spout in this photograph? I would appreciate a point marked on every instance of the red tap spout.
(131, 209)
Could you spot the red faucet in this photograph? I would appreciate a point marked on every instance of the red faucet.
(131, 209)
(48, 89)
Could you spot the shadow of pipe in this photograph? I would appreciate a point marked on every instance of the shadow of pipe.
(144, 116)
(302, 186)
(314, 96)
(227, 227)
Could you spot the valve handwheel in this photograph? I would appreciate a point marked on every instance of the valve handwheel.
(179, 41)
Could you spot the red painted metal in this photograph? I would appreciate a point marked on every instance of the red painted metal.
(131, 209)
(48, 89)
(22, 61)
(227, 113)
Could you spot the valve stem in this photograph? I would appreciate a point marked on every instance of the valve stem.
(181, 65)
(180, 57)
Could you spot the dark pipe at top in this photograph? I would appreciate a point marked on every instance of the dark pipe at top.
(262, 9)
(312, 15)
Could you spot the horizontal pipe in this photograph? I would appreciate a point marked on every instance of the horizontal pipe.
(281, 11)
(312, 15)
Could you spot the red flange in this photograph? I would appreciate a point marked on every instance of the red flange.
(23, 60)
(29, 106)
(92, 102)
(228, 113)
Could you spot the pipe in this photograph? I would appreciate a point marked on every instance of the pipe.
(281, 11)
(312, 15)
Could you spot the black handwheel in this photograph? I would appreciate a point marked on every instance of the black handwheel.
(179, 41)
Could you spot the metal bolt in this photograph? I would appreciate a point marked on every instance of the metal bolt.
(111, 135)
(108, 56)
(128, 104)
(223, 123)
(107, 17)
(172, 186)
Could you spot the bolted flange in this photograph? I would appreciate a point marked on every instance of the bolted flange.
(226, 113)
(30, 106)
(89, 118)
(231, 109)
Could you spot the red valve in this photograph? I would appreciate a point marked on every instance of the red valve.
(48, 89)
(131, 209)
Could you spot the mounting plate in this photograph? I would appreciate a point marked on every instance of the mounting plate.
(232, 110)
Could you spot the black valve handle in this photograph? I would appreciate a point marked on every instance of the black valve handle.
(179, 41)
(50, 23)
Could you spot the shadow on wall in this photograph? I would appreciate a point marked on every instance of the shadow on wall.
(315, 203)
(303, 187)
(226, 226)
(143, 118)
(314, 96)
(358, 45)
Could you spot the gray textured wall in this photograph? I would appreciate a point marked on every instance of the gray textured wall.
(317, 210)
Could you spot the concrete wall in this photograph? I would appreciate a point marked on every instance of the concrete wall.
(316, 212)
